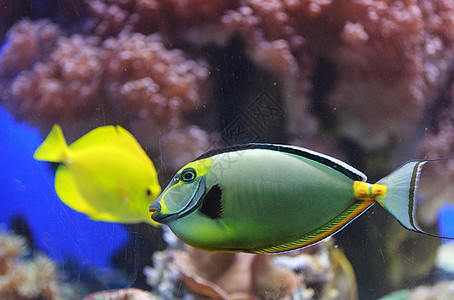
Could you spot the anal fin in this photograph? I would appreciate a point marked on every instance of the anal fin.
(330, 228)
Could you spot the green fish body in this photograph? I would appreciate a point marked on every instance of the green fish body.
(105, 174)
(266, 198)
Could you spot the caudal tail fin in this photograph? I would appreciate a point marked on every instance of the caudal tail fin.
(54, 147)
(402, 186)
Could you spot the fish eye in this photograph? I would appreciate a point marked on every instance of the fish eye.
(148, 192)
(188, 175)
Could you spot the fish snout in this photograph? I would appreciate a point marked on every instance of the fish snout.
(155, 209)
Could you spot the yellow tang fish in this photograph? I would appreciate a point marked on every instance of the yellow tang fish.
(105, 174)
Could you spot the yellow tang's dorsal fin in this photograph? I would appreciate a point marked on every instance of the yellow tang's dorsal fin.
(111, 136)
(54, 147)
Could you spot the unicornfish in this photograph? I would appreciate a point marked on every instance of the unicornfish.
(268, 198)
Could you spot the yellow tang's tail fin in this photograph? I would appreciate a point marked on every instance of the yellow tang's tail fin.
(400, 198)
(54, 147)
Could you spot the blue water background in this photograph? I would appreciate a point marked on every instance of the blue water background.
(27, 189)
(446, 221)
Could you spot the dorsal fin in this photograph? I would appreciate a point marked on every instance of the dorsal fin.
(54, 147)
(212, 206)
(111, 136)
(326, 160)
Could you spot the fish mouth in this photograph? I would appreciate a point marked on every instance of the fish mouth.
(154, 208)
(192, 203)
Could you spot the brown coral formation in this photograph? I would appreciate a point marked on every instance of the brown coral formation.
(153, 88)
(66, 87)
(109, 17)
(21, 279)
(27, 43)
(270, 280)
(58, 78)
(390, 56)
(320, 270)
(148, 81)
(238, 276)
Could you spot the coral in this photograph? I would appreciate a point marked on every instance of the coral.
(390, 56)
(264, 28)
(144, 77)
(384, 52)
(26, 43)
(153, 87)
(124, 294)
(64, 88)
(249, 276)
(270, 280)
(109, 17)
(25, 279)
(241, 275)
(55, 79)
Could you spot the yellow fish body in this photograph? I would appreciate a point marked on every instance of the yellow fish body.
(105, 174)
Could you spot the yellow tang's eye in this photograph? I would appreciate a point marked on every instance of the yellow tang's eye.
(188, 175)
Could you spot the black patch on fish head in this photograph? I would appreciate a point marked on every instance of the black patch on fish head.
(212, 205)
